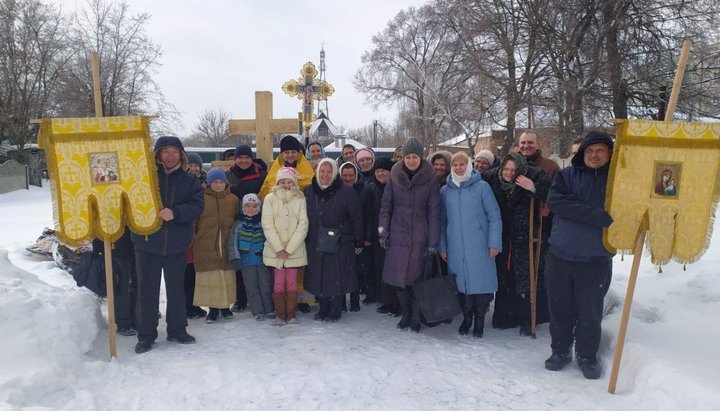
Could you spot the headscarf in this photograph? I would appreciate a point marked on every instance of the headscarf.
(521, 167)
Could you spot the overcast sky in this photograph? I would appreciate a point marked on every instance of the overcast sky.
(217, 53)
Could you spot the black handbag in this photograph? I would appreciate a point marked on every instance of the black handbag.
(436, 296)
(328, 240)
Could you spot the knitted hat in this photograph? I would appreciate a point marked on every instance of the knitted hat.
(384, 163)
(487, 155)
(290, 142)
(412, 146)
(251, 198)
(286, 173)
(243, 150)
(216, 174)
(363, 153)
(194, 158)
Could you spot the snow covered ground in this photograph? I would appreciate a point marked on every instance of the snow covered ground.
(54, 350)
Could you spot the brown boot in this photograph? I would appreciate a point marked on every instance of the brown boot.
(291, 306)
(280, 306)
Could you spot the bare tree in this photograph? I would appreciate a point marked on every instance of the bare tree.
(212, 127)
(128, 60)
(33, 52)
(415, 62)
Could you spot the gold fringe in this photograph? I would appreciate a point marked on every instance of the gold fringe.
(623, 138)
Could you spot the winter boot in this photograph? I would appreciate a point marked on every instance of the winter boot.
(481, 303)
(324, 309)
(466, 303)
(415, 323)
(335, 308)
(355, 301)
(557, 361)
(291, 306)
(589, 367)
(280, 306)
(405, 307)
(226, 314)
(466, 323)
(212, 316)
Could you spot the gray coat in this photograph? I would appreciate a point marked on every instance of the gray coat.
(410, 217)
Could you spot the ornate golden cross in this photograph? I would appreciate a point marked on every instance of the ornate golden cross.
(308, 88)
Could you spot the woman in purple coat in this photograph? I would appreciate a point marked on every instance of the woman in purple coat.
(409, 226)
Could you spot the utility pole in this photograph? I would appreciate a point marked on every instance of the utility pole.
(375, 124)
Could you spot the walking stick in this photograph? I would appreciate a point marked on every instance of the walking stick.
(532, 270)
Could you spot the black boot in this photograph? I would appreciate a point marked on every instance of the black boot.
(355, 301)
(466, 304)
(335, 311)
(343, 303)
(324, 308)
(415, 324)
(481, 302)
(405, 299)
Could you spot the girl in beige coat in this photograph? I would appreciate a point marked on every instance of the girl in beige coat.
(285, 224)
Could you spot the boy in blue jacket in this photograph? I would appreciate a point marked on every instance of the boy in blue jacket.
(245, 249)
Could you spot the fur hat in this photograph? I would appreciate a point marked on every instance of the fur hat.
(244, 150)
(216, 173)
(194, 158)
(251, 198)
(487, 155)
(286, 173)
(290, 142)
(412, 146)
(384, 163)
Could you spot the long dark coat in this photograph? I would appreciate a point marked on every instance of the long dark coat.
(513, 262)
(410, 217)
(330, 275)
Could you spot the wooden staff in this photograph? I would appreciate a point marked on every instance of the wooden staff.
(106, 241)
(640, 240)
(534, 261)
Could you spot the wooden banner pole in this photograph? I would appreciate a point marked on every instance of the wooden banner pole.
(106, 241)
(637, 251)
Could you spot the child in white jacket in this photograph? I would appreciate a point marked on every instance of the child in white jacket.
(285, 224)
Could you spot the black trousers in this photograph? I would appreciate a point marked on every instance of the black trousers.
(240, 292)
(189, 286)
(150, 267)
(576, 292)
(125, 292)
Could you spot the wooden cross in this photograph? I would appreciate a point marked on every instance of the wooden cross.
(308, 88)
(264, 125)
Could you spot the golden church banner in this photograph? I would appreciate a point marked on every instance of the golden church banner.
(664, 178)
(102, 175)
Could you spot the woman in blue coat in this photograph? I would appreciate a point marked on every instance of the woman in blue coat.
(470, 238)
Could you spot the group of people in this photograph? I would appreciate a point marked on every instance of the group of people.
(311, 229)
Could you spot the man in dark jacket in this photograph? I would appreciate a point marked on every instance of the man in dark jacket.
(246, 176)
(166, 250)
(579, 268)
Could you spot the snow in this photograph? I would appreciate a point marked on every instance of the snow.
(55, 354)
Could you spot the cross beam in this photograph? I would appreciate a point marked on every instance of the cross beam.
(263, 126)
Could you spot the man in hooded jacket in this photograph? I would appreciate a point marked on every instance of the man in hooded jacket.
(166, 249)
(579, 267)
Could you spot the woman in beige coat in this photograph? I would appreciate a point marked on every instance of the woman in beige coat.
(285, 224)
(215, 278)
